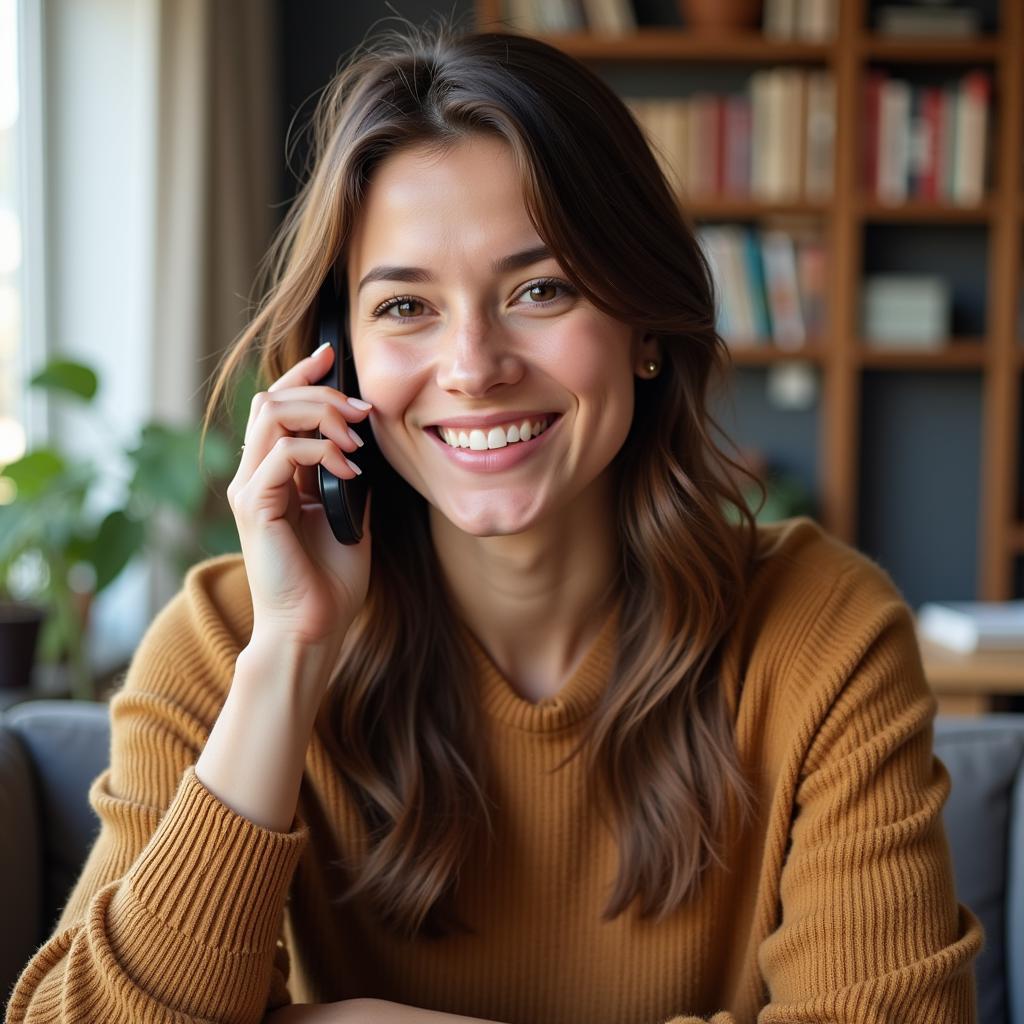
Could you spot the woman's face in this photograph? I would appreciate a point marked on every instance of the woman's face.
(464, 336)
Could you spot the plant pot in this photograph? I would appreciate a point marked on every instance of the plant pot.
(19, 632)
(721, 16)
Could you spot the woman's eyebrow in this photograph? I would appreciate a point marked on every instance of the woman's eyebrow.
(417, 275)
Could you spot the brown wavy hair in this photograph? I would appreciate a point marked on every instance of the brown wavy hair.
(659, 746)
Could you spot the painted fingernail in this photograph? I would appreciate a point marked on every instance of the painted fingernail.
(353, 465)
(317, 351)
(359, 403)
(355, 437)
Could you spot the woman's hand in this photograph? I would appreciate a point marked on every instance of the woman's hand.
(306, 587)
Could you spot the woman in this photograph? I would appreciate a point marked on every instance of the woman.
(566, 736)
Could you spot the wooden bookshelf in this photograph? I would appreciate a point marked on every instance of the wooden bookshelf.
(998, 357)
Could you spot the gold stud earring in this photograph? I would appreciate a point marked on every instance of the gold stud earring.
(651, 367)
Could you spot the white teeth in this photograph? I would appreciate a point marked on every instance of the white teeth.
(496, 437)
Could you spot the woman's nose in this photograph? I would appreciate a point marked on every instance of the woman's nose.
(475, 354)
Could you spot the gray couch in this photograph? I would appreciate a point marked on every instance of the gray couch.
(50, 751)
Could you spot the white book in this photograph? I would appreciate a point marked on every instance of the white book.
(968, 176)
(711, 242)
(893, 145)
(780, 19)
(968, 626)
(816, 20)
(782, 288)
(821, 129)
(615, 17)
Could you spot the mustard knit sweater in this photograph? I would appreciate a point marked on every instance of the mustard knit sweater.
(837, 905)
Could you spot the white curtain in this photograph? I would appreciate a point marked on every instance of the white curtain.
(217, 155)
(162, 146)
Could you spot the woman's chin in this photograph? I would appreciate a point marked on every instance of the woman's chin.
(491, 517)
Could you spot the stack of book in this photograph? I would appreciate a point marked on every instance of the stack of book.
(612, 17)
(926, 142)
(773, 142)
(969, 626)
(812, 20)
(770, 284)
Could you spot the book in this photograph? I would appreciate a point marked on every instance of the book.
(782, 288)
(936, 22)
(968, 626)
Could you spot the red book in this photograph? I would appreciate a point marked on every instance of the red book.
(737, 145)
(721, 153)
(872, 102)
(931, 114)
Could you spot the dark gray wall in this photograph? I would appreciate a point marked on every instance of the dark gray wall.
(316, 37)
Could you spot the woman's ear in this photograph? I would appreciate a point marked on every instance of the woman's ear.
(646, 350)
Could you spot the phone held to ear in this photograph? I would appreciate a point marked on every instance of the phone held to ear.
(344, 500)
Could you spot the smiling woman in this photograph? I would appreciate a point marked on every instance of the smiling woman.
(592, 744)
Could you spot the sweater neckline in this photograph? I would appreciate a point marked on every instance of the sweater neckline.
(577, 696)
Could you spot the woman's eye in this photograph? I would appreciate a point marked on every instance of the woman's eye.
(534, 289)
(396, 303)
(549, 287)
(403, 302)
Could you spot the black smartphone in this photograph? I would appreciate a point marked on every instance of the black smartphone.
(344, 500)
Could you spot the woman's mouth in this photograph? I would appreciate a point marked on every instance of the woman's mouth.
(497, 448)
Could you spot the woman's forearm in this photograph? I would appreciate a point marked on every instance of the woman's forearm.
(255, 754)
(365, 1011)
(384, 1012)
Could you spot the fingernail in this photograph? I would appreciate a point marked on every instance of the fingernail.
(355, 437)
(320, 349)
(353, 465)
(359, 403)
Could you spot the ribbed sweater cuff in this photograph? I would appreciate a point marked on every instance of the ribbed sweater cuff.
(722, 1017)
(213, 874)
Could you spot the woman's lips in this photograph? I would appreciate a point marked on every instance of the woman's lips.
(494, 460)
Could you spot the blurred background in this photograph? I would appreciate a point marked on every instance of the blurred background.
(853, 169)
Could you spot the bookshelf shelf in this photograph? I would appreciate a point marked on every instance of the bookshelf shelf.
(924, 211)
(768, 355)
(741, 208)
(931, 51)
(959, 354)
(851, 369)
(679, 44)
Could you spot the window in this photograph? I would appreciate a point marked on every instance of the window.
(12, 370)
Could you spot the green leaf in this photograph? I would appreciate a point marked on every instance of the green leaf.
(33, 473)
(65, 375)
(219, 537)
(117, 541)
(239, 403)
(167, 467)
(220, 455)
(52, 638)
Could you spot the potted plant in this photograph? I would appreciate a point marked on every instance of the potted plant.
(785, 494)
(56, 554)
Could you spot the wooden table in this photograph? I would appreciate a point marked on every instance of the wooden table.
(973, 684)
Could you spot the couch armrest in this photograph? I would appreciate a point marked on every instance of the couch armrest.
(21, 871)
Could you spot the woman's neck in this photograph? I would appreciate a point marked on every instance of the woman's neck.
(536, 600)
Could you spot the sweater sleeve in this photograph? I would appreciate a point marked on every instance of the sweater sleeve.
(178, 911)
(870, 928)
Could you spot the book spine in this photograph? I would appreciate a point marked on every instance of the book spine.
(872, 129)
